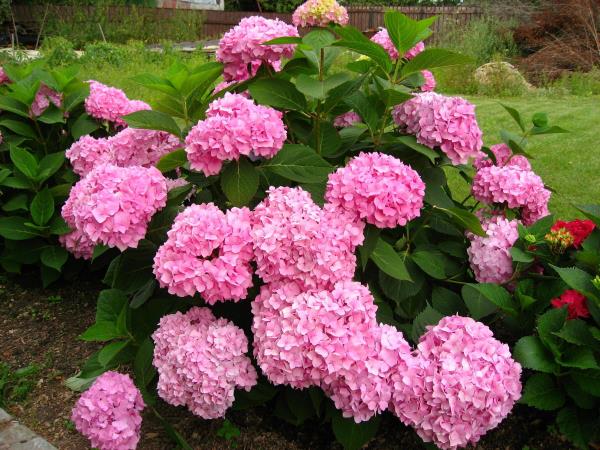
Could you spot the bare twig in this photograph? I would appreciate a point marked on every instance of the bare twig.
(37, 41)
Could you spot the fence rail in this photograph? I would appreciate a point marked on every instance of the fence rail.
(365, 18)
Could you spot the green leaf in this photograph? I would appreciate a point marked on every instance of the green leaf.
(411, 141)
(298, 163)
(519, 255)
(431, 262)
(515, 115)
(537, 131)
(14, 228)
(18, 202)
(592, 212)
(353, 39)
(284, 40)
(446, 301)
(110, 304)
(319, 89)
(239, 182)
(277, 93)
(434, 58)
(49, 165)
(576, 332)
(58, 226)
(579, 358)
(318, 39)
(14, 106)
(76, 98)
(101, 332)
(24, 161)
(532, 354)
(549, 322)
(142, 365)
(540, 120)
(19, 127)
(54, 256)
(83, 126)
(153, 120)
(172, 160)
(110, 352)
(42, 207)
(576, 279)
(52, 115)
(352, 435)
(478, 304)
(465, 219)
(428, 316)
(405, 32)
(155, 83)
(542, 392)
(386, 258)
(364, 108)
(49, 275)
(341, 92)
(577, 426)
(366, 249)
(588, 380)
(328, 140)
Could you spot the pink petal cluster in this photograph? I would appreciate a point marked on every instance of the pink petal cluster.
(113, 205)
(490, 256)
(44, 97)
(382, 38)
(504, 157)
(430, 82)
(377, 188)
(234, 126)
(3, 76)
(207, 252)
(201, 360)
(129, 147)
(514, 187)
(465, 384)
(108, 413)
(242, 51)
(110, 104)
(320, 13)
(346, 120)
(78, 244)
(445, 122)
(296, 240)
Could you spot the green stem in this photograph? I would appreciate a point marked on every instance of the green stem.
(42, 140)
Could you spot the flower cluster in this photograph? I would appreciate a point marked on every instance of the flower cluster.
(377, 188)
(490, 256)
(3, 76)
(207, 252)
(129, 147)
(110, 104)
(503, 156)
(445, 122)
(113, 205)
(243, 46)
(346, 120)
(78, 244)
(382, 38)
(319, 13)
(559, 240)
(201, 360)
(296, 240)
(464, 384)
(575, 303)
(578, 229)
(44, 97)
(108, 413)
(430, 82)
(234, 126)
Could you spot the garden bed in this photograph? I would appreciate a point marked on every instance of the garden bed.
(40, 327)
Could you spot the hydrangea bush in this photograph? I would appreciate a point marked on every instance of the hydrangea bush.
(309, 209)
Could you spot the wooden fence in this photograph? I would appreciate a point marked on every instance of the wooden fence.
(365, 18)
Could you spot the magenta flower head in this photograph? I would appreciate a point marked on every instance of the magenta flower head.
(243, 47)
(201, 360)
(346, 120)
(110, 104)
(45, 97)
(78, 244)
(320, 13)
(3, 77)
(430, 82)
(296, 240)
(108, 413)
(377, 188)
(113, 205)
(445, 122)
(383, 38)
(234, 126)
(465, 384)
(207, 252)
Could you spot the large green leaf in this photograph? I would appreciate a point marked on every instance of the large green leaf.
(84, 125)
(577, 425)
(299, 163)
(588, 380)
(428, 316)
(24, 161)
(49, 165)
(532, 354)
(466, 220)
(14, 106)
(153, 120)
(495, 294)
(42, 207)
(239, 182)
(352, 435)
(434, 58)
(355, 40)
(405, 32)
(478, 304)
(318, 39)
(431, 262)
(111, 351)
(364, 108)
(576, 279)
(142, 365)
(54, 256)
(315, 88)
(14, 228)
(542, 392)
(172, 160)
(277, 93)
(388, 260)
(19, 127)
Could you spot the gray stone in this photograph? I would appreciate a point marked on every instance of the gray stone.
(15, 433)
(4, 416)
(35, 444)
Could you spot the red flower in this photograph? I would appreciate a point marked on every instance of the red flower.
(575, 302)
(580, 229)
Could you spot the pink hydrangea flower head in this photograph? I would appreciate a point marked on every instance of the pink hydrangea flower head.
(108, 413)
(465, 384)
(296, 240)
(207, 252)
(514, 187)
(320, 13)
(78, 244)
(430, 82)
(45, 97)
(113, 205)
(377, 188)
(243, 47)
(201, 360)
(445, 122)
(88, 152)
(234, 126)
(346, 120)
(490, 256)
(504, 157)
(110, 104)
(3, 76)
(382, 38)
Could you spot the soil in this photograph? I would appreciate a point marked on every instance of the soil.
(40, 326)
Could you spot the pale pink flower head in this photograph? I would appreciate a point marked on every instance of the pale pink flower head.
(377, 188)
(504, 157)
(465, 384)
(113, 205)
(110, 104)
(87, 153)
(445, 122)
(242, 49)
(45, 97)
(296, 240)
(430, 82)
(346, 120)
(201, 360)
(3, 76)
(78, 244)
(490, 256)
(320, 13)
(234, 126)
(207, 252)
(382, 38)
(108, 413)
